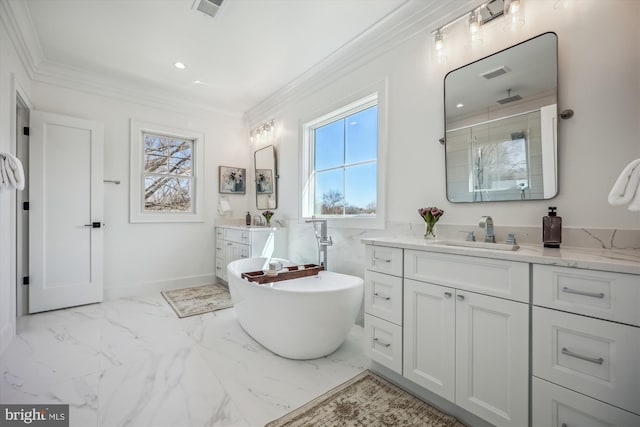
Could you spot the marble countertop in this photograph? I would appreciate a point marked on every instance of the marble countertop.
(250, 227)
(618, 260)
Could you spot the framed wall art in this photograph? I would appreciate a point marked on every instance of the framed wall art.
(232, 180)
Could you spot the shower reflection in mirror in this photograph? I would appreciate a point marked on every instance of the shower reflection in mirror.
(497, 160)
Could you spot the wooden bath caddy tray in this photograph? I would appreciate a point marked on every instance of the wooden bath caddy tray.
(294, 272)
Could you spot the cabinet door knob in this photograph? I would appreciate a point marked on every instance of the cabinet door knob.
(460, 297)
(447, 294)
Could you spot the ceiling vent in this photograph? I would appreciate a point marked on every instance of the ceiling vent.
(495, 73)
(509, 98)
(209, 7)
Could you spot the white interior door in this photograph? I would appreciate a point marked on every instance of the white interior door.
(65, 212)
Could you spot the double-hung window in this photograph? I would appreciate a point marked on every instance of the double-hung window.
(341, 167)
(166, 174)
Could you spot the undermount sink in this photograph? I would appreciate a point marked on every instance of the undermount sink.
(484, 245)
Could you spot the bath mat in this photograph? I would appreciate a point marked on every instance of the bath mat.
(366, 400)
(198, 300)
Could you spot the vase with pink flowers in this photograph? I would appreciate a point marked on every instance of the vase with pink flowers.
(431, 216)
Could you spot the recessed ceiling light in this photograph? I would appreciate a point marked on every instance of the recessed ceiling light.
(197, 82)
(180, 65)
(460, 105)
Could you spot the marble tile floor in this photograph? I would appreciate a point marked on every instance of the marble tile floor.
(132, 362)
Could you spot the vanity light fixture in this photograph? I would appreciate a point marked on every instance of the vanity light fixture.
(476, 18)
(266, 129)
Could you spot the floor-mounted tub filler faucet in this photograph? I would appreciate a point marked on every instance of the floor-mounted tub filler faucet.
(487, 222)
(322, 240)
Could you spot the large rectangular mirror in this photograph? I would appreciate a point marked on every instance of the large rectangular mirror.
(266, 178)
(501, 124)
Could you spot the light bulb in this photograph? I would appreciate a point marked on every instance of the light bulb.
(439, 42)
(474, 25)
(514, 14)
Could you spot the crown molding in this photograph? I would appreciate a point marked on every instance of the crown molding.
(414, 18)
(16, 17)
(124, 89)
(17, 20)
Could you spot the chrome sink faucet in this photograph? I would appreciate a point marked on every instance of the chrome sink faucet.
(487, 222)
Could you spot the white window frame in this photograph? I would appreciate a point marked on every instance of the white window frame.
(370, 96)
(137, 213)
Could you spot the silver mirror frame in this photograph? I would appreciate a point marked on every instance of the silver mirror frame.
(266, 177)
(540, 178)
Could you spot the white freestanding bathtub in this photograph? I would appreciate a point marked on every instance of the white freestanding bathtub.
(303, 318)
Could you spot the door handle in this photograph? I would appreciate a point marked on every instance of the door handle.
(94, 225)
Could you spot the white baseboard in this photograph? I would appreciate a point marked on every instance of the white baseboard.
(135, 289)
(6, 335)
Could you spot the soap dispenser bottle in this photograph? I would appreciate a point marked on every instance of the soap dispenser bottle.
(247, 219)
(552, 229)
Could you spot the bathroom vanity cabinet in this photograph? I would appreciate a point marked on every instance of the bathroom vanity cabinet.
(465, 324)
(237, 242)
(586, 332)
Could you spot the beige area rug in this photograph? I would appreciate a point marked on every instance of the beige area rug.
(366, 400)
(198, 300)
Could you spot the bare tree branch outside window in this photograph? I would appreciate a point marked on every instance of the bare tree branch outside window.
(168, 173)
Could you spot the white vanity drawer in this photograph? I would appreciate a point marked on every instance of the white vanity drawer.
(606, 295)
(505, 279)
(219, 233)
(555, 406)
(238, 236)
(591, 356)
(383, 342)
(383, 259)
(383, 296)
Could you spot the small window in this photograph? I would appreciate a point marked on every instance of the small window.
(166, 174)
(342, 172)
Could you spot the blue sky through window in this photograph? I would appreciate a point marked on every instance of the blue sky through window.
(345, 163)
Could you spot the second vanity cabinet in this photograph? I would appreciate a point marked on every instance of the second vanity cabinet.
(233, 242)
(463, 343)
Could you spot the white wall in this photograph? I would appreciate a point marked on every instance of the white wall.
(11, 74)
(141, 257)
(599, 78)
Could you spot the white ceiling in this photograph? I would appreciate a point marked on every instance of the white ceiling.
(247, 51)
